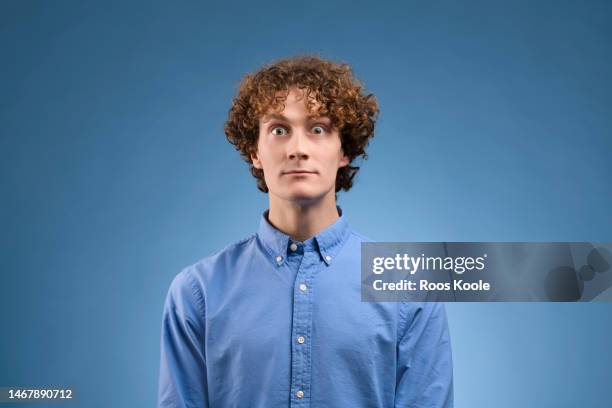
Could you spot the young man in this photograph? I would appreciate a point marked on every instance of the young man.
(276, 319)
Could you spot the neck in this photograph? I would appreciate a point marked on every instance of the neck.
(302, 221)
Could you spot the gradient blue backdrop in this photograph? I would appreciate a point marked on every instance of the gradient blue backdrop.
(115, 173)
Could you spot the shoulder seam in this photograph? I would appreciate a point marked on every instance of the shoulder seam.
(227, 248)
(196, 292)
(403, 319)
(358, 235)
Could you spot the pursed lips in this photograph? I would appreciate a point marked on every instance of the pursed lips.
(298, 172)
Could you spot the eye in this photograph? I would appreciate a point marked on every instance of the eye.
(318, 130)
(279, 131)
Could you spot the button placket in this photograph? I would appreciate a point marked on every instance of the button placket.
(302, 329)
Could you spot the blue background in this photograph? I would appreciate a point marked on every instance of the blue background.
(115, 173)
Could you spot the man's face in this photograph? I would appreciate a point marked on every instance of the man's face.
(299, 154)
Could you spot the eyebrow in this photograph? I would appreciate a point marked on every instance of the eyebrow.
(277, 116)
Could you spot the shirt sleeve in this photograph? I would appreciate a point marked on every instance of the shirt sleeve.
(424, 375)
(182, 375)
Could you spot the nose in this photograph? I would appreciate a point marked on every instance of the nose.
(298, 147)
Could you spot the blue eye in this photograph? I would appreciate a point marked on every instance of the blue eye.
(318, 130)
(279, 131)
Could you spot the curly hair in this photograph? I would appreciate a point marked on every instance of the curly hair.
(329, 85)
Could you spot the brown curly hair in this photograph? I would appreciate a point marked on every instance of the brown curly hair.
(328, 84)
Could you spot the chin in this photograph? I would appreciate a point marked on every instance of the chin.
(302, 194)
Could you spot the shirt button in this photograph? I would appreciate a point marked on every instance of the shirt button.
(299, 394)
(327, 258)
(303, 287)
(279, 259)
(293, 247)
(301, 339)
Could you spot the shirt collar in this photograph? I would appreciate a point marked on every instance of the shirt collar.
(327, 242)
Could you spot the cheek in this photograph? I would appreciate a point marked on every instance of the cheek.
(270, 156)
(262, 150)
(267, 157)
(334, 158)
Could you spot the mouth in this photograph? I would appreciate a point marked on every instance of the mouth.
(299, 172)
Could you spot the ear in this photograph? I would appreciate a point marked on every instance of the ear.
(256, 161)
(344, 161)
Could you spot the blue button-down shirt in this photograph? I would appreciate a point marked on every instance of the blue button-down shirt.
(271, 322)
